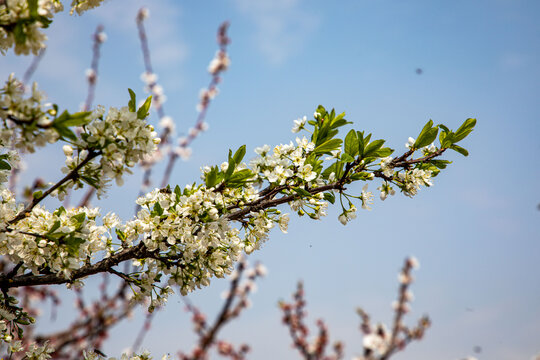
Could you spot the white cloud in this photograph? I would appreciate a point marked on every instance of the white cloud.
(282, 26)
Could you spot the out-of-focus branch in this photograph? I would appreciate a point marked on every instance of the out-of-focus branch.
(294, 318)
(236, 300)
(378, 343)
(99, 38)
(33, 66)
(217, 66)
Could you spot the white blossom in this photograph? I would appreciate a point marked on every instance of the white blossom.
(299, 124)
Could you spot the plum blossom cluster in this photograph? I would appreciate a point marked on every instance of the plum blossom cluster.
(286, 163)
(194, 238)
(121, 139)
(25, 121)
(21, 22)
(59, 242)
(410, 181)
(80, 6)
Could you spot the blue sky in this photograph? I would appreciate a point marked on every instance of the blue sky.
(475, 232)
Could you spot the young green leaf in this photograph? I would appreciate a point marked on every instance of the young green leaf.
(372, 147)
(239, 154)
(346, 158)
(132, 101)
(460, 150)
(4, 165)
(426, 136)
(440, 164)
(301, 192)
(330, 197)
(239, 178)
(142, 113)
(464, 130)
(157, 209)
(77, 119)
(327, 146)
(211, 177)
(351, 143)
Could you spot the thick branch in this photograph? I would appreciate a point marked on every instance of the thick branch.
(136, 252)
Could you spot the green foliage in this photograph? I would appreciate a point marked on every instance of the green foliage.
(144, 110)
(63, 123)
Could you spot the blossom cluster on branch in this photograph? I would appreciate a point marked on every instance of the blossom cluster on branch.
(184, 237)
(21, 22)
(181, 237)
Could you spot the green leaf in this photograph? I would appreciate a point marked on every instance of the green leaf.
(443, 128)
(132, 101)
(448, 140)
(239, 178)
(77, 119)
(239, 154)
(61, 210)
(18, 33)
(360, 176)
(383, 152)
(72, 244)
(330, 197)
(331, 169)
(230, 167)
(212, 177)
(4, 165)
(346, 158)
(301, 192)
(460, 150)
(64, 132)
(22, 321)
(157, 209)
(327, 146)
(53, 228)
(89, 180)
(351, 143)
(79, 218)
(464, 130)
(142, 113)
(426, 136)
(440, 164)
(372, 147)
(177, 192)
